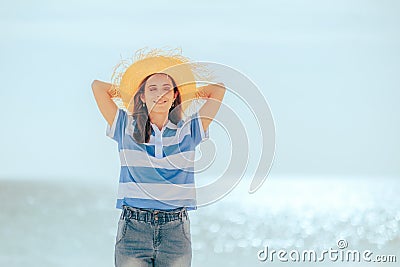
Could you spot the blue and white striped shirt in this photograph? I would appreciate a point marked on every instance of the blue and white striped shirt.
(158, 174)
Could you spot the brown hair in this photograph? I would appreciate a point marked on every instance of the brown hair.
(140, 113)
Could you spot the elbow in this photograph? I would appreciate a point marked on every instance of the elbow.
(218, 91)
(93, 85)
(222, 86)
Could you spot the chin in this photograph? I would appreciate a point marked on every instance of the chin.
(159, 109)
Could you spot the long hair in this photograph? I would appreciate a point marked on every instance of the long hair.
(140, 113)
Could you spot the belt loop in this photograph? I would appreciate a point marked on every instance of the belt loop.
(181, 214)
(123, 213)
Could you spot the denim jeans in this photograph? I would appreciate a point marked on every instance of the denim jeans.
(149, 237)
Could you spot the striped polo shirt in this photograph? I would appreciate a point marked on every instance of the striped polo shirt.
(158, 174)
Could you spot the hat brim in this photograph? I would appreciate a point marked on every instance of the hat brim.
(180, 71)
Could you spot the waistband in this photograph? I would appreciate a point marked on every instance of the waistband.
(153, 215)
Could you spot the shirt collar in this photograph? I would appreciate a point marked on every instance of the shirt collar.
(169, 125)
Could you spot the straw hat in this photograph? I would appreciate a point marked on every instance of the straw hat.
(127, 77)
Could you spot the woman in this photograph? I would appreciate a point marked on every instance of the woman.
(156, 147)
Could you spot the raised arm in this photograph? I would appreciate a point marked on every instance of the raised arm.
(214, 93)
(103, 95)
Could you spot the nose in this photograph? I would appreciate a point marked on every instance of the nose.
(160, 94)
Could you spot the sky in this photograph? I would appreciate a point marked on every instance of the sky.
(329, 71)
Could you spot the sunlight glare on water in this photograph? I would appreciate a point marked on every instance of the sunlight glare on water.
(72, 224)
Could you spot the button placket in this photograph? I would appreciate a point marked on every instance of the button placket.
(158, 141)
(158, 145)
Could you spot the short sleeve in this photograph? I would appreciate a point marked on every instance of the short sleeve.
(117, 129)
(196, 129)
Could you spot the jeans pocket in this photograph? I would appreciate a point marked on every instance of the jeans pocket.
(186, 229)
(122, 223)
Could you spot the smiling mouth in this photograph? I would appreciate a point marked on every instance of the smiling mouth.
(160, 102)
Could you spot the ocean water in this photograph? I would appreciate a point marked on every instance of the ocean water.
(70, 223)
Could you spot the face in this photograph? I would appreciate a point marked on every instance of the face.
(158, 93)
